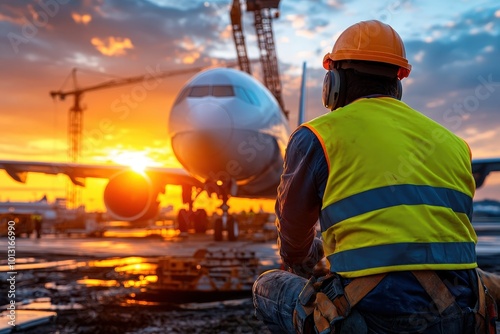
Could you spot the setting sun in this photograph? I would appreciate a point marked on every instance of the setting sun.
(137, 160)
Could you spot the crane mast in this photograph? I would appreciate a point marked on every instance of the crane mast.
(263, 28)
(239, 38)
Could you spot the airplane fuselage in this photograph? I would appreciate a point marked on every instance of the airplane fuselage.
(225, 125)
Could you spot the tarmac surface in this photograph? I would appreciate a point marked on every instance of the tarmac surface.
(95, 284)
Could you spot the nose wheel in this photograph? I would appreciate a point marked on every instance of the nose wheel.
(226, 222)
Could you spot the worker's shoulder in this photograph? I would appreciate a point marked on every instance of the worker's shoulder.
(303, 135)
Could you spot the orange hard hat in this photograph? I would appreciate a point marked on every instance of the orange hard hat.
(370, 41)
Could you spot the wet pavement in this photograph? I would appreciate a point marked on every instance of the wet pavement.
(98, 285)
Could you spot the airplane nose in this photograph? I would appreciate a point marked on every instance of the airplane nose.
(207, 136)
(211, 129)
(209, 116)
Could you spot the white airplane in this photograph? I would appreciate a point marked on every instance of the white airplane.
(42, 207)
(228, 132)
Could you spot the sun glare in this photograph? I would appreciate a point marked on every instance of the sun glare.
(136, 160)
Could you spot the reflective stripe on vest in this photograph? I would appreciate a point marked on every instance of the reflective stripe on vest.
(399, 191)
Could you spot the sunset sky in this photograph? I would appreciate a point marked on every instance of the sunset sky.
(453, 45)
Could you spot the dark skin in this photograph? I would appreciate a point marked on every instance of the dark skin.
(367, 78)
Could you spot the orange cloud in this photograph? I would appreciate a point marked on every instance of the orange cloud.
(5, 18)
(83, 19)
(190, 59)
(192, 51)
(113, 46)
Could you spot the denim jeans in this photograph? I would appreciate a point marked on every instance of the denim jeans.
(275, 295)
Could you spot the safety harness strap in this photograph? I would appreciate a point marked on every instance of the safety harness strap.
(486, 308)
(435, 288)
(355, 291)
(331, 304)
(481, 307)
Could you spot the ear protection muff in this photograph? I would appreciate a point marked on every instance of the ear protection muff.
(334, 91)
(399, 90)
(333, 94)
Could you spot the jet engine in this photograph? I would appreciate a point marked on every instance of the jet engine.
(131, 196)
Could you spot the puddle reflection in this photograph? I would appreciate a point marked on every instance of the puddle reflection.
(93, 282)
(117, 262)
(21, 260)
(138, 268)
(46, 304)
(133, 302)
(134, 272)
(60, 265)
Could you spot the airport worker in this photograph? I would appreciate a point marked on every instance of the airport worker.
(37, 218)
(392, 191)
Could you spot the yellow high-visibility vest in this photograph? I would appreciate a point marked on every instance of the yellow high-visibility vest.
(399, 191)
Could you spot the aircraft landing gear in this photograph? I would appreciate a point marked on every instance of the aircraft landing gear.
(226, 222)
(199, 218)
(189, 218)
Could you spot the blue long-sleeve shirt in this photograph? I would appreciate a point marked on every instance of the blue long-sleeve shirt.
(300, 195)
(298, 207)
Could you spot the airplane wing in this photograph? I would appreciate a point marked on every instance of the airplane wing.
(482, 167)
(18, 170)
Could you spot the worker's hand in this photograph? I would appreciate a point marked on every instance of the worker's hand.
(306, 267)
(325, 314)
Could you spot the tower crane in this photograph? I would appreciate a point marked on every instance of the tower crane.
(263, 27)
(239, 37)
(75, 119)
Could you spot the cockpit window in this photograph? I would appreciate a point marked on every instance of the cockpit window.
(253, 99)
(240, 93)
(216, 91)
(221, 91)
(246, 95)
(182, 95)
(199, 91)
